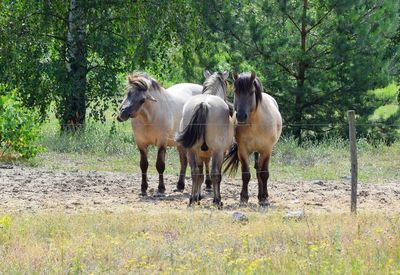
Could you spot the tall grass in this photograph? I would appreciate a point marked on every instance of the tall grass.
(166, 241)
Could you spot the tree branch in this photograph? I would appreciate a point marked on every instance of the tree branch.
(327, 68)
(287, 69)
(294, 23)
(60, 38)
(320, 20)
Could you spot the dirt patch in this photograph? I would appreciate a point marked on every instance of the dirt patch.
(32, 189)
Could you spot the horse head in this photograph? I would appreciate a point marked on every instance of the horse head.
(137, 94)
(215, 83)
(248, 93)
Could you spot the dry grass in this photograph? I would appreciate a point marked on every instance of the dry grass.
(198, 241)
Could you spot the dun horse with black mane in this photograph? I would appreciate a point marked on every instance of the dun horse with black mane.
(156, 114)
(206, 131)
(259, 126)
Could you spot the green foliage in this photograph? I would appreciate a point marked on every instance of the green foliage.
(19, 126)
(317, 58)
(95, 138)
(385, 119)
(5, 229)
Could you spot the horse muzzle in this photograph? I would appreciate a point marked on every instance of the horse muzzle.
(123, 115)
(241, 117)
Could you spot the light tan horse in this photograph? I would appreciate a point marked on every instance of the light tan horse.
(156, 113)
(206, 131)
(259, 126)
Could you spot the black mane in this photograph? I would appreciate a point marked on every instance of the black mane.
(244, 84)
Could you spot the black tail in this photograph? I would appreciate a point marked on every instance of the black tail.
(196, 129)
(231, 160)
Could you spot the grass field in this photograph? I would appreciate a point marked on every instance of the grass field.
(161, 240)
(169, 242)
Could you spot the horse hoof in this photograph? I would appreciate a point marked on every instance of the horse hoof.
(263, 204)
(218, 205)
(143, 194)
(159, 194)
(180, 186)
(178, 190)
(243, 204)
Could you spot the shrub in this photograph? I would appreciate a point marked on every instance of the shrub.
(19, 126)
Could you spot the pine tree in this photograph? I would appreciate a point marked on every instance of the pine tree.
(318, 58)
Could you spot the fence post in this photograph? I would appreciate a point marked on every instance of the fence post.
(353, 158)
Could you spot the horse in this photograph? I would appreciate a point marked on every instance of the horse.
(258, 128)
(206, 131)
(155, 115)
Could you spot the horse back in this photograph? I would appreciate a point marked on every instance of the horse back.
(185, 90)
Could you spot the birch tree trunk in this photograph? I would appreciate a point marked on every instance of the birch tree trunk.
(76, 61)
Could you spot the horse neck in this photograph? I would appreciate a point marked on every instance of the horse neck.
(217, 90)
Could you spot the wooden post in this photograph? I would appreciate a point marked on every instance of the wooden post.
(353, 158)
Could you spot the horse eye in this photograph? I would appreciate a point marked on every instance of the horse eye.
(142, 101)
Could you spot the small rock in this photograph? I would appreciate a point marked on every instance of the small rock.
(6, 166)
(295, 215)
(318, 182)
(239, 217)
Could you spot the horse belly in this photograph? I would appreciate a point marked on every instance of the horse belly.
(148, 135)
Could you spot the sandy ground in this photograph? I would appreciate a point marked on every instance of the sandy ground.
(31, 189)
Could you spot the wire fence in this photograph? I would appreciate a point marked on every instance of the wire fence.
(251, 124)
(108, 129)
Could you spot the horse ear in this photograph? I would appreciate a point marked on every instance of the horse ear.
(225, 75)
(206, 73)
(235, 76)
(130, 79)
(253, 75)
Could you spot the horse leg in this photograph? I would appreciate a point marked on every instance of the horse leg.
(200, 179)
(144, 164)
(160, 165)
(216, 178)
(262, 177)
(244, 195)
(180, 186)
(208, 178)
(195, 173)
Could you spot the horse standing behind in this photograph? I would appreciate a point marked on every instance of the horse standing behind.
(259, 126)
(156, 114)
(206, 131)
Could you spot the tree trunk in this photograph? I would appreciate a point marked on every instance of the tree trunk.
(74, 101)
(301, 76)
